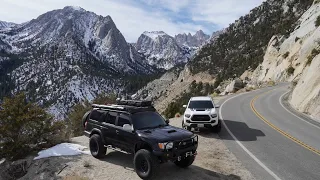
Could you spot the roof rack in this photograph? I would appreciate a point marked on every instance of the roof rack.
(135, 103)
(115, 107)
(131, 106)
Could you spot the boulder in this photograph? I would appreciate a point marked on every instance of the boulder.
(234, 86)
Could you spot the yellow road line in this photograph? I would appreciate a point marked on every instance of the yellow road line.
(278, 129)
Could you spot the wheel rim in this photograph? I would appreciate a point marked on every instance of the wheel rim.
(94, 146)
(143, 165)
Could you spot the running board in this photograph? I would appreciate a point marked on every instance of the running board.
(116, 149)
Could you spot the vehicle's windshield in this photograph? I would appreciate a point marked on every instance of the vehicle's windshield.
(144, 120)
(200, 105)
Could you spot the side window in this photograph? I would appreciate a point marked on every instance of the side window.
(97, 115)
(111, 118)
(123, 120)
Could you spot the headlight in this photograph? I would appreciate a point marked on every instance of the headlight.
(167, 145)
(187, 115)
(195, 139)
(213, 115)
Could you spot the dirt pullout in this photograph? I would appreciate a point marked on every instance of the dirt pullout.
(214, 161)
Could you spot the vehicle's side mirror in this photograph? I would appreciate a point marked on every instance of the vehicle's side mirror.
(185, 106)
(167, 121)
(217, 106)
(127, 127)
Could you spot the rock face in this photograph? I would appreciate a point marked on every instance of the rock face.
(306, 95)
(215, 35)
(244, 42)
(234, 86)
(161, 50)
(65, 56)
(4, 24)
(295, 58)
(192, 40)
(171, 85)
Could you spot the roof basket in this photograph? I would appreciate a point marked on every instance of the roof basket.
(135, 103)
(115, 107)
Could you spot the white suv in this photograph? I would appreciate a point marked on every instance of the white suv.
(201, 112)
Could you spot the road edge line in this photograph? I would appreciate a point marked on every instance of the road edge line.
(241, 145)
(280, 101)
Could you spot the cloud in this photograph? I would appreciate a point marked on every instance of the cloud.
(134, 17)
(222, 13)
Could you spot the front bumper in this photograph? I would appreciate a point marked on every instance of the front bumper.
(194, 124)
(178, 150)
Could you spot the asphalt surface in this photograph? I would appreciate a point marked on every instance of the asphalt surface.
(272, 143)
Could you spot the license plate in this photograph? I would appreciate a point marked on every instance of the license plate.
(200, 125)
(187, 154)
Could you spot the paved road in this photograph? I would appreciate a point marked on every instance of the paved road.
(270, 141)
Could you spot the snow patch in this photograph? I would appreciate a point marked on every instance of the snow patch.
(76, 8)
(64, 149)
(154, 34)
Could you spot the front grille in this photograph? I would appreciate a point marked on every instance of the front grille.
(184, 144)
(200, 118)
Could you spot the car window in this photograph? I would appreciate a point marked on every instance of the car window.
(97, 115)
(145, 120)
(200, 105)
(122, 121)
(111, 118)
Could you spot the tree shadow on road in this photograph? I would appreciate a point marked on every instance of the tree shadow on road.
(241, 131)
(168, 170)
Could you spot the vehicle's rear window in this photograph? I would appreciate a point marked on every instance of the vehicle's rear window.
(200, 105)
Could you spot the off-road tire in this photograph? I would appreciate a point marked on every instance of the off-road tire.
(217, 128)
(145, 164)
(184, 163)
(96, 146)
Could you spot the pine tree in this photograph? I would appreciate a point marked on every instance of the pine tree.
(25, 127)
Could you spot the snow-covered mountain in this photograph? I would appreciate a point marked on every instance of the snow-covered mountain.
(192, 40)
(70, 27)
(165, 51)
(161, 49)
(4, 24)
(65, 56)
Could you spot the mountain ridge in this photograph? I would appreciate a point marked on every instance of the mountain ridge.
(66, 56)
(165, 51)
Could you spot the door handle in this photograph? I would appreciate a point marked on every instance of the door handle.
(117, 131)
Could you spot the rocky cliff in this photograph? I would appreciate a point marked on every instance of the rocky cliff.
(295, 58)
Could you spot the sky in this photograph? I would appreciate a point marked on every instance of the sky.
(133, 17)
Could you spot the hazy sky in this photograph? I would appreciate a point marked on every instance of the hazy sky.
(133, 17)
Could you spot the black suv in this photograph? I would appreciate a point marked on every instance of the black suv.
(135, 127)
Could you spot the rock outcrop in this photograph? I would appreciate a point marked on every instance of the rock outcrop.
(295, 58)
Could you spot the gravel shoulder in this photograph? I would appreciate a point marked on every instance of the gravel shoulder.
(214, 161)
